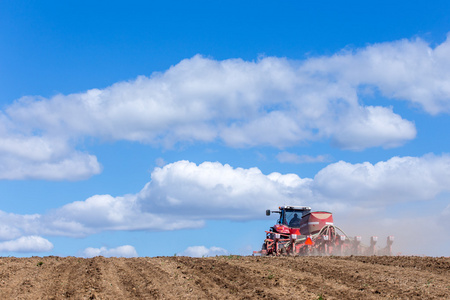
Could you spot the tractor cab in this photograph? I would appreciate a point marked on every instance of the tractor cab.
(290, 215)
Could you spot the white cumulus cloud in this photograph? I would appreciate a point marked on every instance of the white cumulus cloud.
(272, 101)
(186, 195)
(370, 127)
(37, 157)
(121, 251)
(366, 199)
(202, 251)
(407, 69)
(26, 244)
(399, 179)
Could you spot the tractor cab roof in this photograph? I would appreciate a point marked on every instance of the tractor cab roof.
(297, 208)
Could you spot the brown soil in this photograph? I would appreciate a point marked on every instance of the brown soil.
(225, 277)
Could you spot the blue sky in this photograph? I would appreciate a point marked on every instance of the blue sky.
(153, 128)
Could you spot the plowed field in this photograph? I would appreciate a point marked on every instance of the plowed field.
(225, 277)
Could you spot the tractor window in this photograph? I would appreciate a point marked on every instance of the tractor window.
(292, 218)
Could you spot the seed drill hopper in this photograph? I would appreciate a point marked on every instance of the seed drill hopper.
(301, 232)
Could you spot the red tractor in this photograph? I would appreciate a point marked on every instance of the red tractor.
(301, 232)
